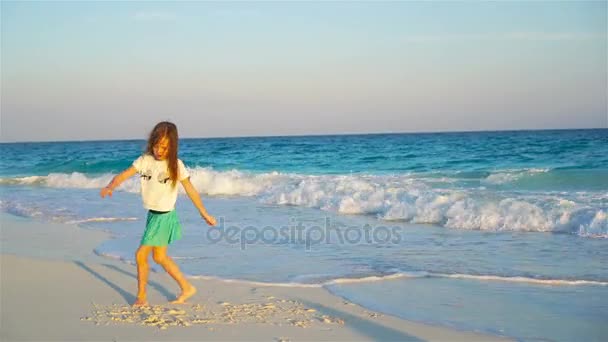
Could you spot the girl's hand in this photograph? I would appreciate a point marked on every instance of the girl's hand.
(209, 219)
(105, 192)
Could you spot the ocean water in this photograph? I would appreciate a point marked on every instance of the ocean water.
(501, 232)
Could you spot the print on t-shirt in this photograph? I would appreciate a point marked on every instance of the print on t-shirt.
(146, 175)
(157, 192)
(163, 177)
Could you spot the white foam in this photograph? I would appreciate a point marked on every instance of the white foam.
(371, 279)
(388, 197)
(598, 227)
(75, 180)
(102, 219)
(514, 279)
(335, 281)
(523, 279)
(232, 183)
(375, 278)
(254, 283)
(114, 257)
(407, 275)
(507, 214)
(21, 209)
(31, 180)
(509, 176)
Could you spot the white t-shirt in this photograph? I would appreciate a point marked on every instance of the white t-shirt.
(157, 190)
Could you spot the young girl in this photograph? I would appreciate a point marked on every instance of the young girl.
(160, 169)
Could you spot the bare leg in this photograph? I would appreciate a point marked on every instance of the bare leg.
(160, 257)
(141, 256)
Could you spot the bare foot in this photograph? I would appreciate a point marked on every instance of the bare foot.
(186, 293)
(140, 302)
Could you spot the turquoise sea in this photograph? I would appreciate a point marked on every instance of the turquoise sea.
(501, 232)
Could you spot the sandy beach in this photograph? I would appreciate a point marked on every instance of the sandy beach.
(55, 288)
(318, 170)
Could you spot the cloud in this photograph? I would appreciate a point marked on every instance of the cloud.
(235, 13)
(514, 36)
(548, 36)
(154, 16)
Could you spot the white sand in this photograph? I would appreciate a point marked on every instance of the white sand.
(54, 288)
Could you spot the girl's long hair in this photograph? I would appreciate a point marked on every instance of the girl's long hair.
(169, 130)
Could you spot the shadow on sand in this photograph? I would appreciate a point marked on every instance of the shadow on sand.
(126, 295)
(364, 326)
(157, 286)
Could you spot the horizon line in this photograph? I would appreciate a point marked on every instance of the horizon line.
(316, 135)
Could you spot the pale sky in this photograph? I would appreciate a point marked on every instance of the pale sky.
(111, 70)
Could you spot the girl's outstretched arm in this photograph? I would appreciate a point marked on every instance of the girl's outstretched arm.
(196, 200)
(116, 181)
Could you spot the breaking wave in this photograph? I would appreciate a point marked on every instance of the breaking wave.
(403, 197)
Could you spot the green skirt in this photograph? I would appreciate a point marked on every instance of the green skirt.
(161, 229)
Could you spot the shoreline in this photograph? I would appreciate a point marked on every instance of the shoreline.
(90, 299)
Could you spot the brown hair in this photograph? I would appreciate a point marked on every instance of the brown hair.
(169, 130)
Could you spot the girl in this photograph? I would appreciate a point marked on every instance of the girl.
(160, 169)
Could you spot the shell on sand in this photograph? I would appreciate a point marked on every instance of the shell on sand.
(269, 312)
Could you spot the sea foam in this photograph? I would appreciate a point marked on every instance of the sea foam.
(405, 198)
